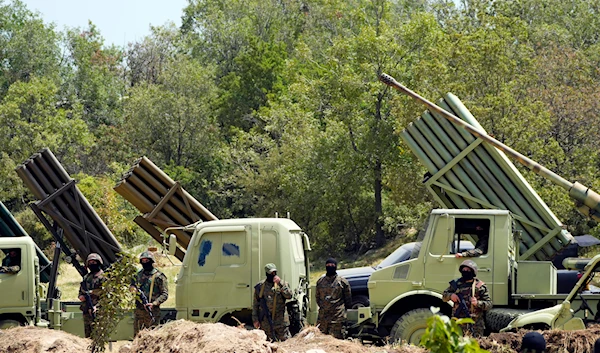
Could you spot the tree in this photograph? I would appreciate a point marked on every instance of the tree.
(32, 120)
(28, 47)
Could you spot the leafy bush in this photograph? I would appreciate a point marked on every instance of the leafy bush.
(445, 335)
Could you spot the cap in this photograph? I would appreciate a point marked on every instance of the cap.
(331, 260)
(270, 268)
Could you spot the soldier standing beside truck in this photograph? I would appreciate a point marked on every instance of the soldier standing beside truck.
(470, 297)
(268, 308)
(90, 290)
(152, 287)
(333, 297)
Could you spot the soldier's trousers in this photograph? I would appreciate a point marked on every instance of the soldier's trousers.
(281, 329)
(475, 330)
(331, 325)
(142, 320)
(87, 325)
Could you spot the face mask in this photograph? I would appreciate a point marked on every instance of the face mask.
(270, 277)
(330, 270)
(94, 268)
(467, 275)
(147, 266)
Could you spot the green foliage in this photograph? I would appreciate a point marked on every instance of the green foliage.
(445, 335)
(115, 211)
(116, 300)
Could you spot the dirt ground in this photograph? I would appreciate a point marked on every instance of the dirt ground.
(184, 336)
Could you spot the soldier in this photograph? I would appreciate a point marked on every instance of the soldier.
(333, 297)
(481, 247)
(470, 297)
(152, 287)
(12, 262)
(268, 308)
(90, 290)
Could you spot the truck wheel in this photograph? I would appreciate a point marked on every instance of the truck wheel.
(297, 322)
(411, 326)
(360, 301)
(497, 319)
(4, 324)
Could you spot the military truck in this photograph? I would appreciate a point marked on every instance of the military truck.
(476, 184)
(223, 258)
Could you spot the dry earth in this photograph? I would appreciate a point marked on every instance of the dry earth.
(184, 336)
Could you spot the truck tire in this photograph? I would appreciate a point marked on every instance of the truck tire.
(8, 323)
(411, 326)
(360, 301)
(499, 318)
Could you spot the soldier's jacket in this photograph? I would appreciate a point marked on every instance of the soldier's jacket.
(160, 291)
(465, 290)
(275, 298)
(9, 266)
(481, 247)
(92, 282)
(333, 296)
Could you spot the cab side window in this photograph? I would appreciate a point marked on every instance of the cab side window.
(11, 260)
(471, 237)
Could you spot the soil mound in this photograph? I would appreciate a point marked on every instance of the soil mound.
(187, 337)
(581, 341)
(40, 340)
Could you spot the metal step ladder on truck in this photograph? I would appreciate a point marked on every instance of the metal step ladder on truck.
(478, 187)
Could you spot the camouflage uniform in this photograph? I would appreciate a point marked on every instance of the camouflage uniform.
(92, 285)
(11, 264)
(160, 293)
(275, 297)
(464, 289)
(481, 247)
(333, 297)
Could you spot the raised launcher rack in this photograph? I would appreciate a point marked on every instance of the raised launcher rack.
(76, 225)
(468, 172)
(9, 227)
(163, 202)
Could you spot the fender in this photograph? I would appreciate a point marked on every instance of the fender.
(543, 316)
(409, 294)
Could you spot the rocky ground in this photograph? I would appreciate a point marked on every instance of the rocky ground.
(187, 337)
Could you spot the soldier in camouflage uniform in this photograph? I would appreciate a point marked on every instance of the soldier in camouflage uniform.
(481, 247)
(272, 292)
(470, 297)
(12, 262)
(154, 285)
(92, 286)
(333, 297)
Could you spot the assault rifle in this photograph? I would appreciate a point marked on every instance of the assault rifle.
(88, 300)
(267, 313)
(144, 301)
(463, 308)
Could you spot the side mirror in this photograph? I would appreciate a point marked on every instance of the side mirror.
(172, 244)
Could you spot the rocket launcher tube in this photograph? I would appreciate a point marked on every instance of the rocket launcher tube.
(584, 196)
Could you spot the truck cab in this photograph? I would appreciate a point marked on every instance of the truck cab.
(18, 289)
(226, 259)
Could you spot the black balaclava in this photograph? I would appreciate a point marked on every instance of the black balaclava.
(147, 266)
(467, 275)
(94, 267)
(270, 277)
(331, 270)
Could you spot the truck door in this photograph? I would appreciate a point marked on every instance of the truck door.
(221, 273)
(452, 235)
(14, 286)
